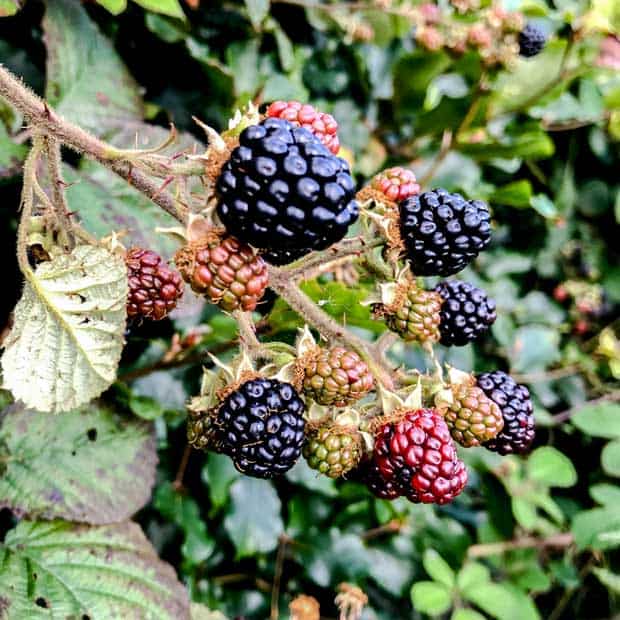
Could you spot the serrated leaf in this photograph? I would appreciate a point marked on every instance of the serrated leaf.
(438, 568)
(67, 337)
(63, 570)
(466, 614)
(551, 467)
(430, 598)
(115, 458)
(172, 8)
(606, 494)
(253, 521)
(598, 528)
(502, 602)
(86, 80)
(608, 579)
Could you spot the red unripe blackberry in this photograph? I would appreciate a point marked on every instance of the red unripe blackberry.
(322, 125)
(368, 473)
(154, 288)
(226, 271)
(396, 183)
(418, 456)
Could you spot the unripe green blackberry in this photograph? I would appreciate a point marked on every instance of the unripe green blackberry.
(414, 314)
(335, 377)
(333, 450)
(471, 416)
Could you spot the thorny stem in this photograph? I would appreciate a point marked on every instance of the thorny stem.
(247, 333)
(275, 591)
(50, 123)
(564, 416)
(279, 280)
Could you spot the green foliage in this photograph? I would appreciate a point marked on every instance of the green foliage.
(539, 141)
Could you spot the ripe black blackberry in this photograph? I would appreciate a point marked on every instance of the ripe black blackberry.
(532, 40)
(282, 188)
(284, 256)
(466, 312)
(261, 427)
(515, 404)
(443, 232)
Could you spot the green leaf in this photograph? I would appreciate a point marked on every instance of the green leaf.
(472, 574)
(67, 337)
(551, 467)
(466, 614)
(515, 194)
(219, 473)
(534, 348)
(253, 521)
(257, 11)
(172, 8)
(502, 602)
(525, 512)
(608, 579)
(86, 80)
(303, 475)
(12, 155)
(599, 420)
(42, 453)
(116, 7)
(430, 598)
(438, 568)
(183, 510)
(200, 612)
(598, 528)
(606, 494)
(610, 458)
(61, 570)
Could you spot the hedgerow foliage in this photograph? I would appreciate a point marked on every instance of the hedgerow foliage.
(106, 513)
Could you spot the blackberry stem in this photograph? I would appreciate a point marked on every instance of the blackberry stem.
(280, 282)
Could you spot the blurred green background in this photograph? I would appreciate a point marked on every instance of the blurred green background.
(538, 139)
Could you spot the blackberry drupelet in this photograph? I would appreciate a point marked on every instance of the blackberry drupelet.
(417, 455)
(515, 403)
(532, 40)
(261, 427)
(154, 288)
(368, 473)
(284, 256)
(443, 232)
(396, 183)
(283, 189)
(466, 312)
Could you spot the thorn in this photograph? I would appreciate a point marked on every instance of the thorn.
(165, 184)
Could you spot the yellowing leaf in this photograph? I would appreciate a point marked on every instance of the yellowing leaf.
(68, 332)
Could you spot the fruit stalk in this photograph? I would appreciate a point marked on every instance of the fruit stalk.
(280, 282)
(47, 121)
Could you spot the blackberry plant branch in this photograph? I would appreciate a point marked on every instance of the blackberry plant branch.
(48, 122)
(279, 281)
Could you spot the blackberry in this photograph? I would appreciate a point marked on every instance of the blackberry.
(336, 377)
(333, 451)
(368, 473)
(471, 416)
(320, 124)
(154, 288)
(282, 188)
(228, 273)
(396, 183)
(515, 403)
(532, 40)
(466, 312)
(284, 256)
(417, 455)
(443, 232)
(261, 427)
